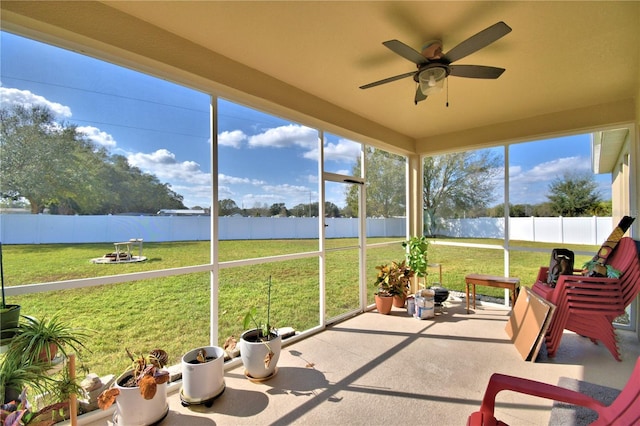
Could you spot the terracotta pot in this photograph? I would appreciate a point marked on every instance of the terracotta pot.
(47, 358)
(384, 304)
(398, 300)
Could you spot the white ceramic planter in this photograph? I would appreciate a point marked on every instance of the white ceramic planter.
(133, 410)
(253, 355)
(202, 381)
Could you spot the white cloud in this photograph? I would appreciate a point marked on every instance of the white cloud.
(225, 192)
(10, 96)
(185, 177)
(164, 165)
(344, 172)
(345, 151)
(234, 180)
(549, 170)
(287, 190)
(286, 136)
(98, 136)
(531, 186)
(233, 139)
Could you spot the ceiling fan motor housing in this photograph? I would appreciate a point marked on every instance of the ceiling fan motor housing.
(431, 77)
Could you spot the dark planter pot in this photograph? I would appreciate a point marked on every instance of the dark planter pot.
(10, 394)
(9, 319)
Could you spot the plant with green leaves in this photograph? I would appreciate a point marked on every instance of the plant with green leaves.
(258, 361)
(39, 340)
(393, 279)
(15, 376)
(416, 255)
(595, 268)
(265, 329)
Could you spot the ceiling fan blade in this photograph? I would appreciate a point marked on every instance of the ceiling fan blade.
(388, 80)
(419, 95)
(406, 52)
(475, 71)
(478, 41)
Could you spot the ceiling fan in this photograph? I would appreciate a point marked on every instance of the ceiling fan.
(434, 67)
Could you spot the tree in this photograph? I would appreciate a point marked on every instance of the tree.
(227, 207)
(385, 180)
(55, 166)
(515, 210)
(278, 209)
(331, 210)
(456, 183)
(573, 195)
(40, 160)
(300, 210)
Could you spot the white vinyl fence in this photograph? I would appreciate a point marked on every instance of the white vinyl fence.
(50, 229)
(568, 230)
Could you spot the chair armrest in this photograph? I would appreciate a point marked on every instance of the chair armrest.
(500, 382)
(543, 273)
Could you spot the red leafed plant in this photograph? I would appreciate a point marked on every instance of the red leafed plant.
(146, 373)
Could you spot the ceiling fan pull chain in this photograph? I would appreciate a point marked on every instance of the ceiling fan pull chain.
(447, 83)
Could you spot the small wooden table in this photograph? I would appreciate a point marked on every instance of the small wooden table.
(128, 244)
(513, 284)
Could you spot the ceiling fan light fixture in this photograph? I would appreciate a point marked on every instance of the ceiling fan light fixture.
(432, 80)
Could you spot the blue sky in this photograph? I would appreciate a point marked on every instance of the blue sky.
(163, 129)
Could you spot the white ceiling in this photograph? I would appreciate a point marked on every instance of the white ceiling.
(561, 57)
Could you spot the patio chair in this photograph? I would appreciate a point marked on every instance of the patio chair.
(625, 410)
(588, 305)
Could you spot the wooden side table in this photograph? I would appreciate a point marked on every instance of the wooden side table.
(513, 284)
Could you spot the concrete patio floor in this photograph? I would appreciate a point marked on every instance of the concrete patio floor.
(390, 370)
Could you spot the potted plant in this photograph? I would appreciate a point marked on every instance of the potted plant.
(40, 340)
(260, 346)
(9, 314)
(400, 284)
(416, 257)
(392, 282)
(15, 375)
(24, 368)
(416, 249)
(55, 404)
(140, 393)
(202, 376)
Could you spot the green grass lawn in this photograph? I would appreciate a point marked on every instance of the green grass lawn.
(174, 312)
